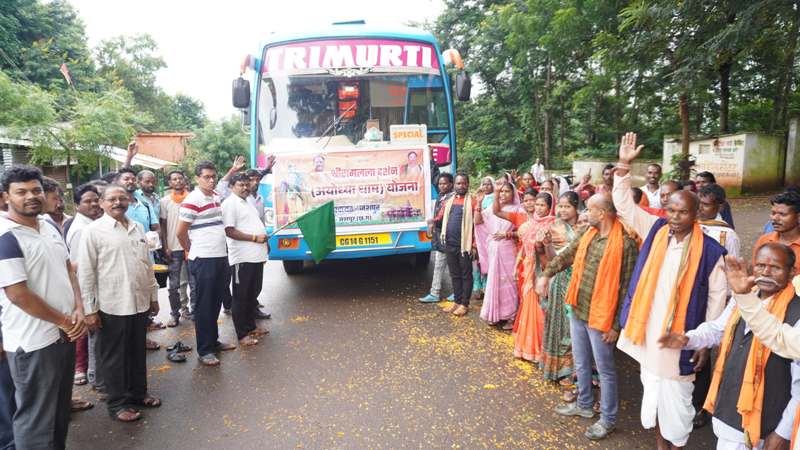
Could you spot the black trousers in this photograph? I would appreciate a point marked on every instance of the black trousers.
(247, 281)
(8, 406)
(122, 359)
(212, 279)
(43, 383)
(227, 298)
(460, 266)
(702, 383)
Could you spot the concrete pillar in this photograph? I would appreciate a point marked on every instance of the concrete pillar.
(792, 171)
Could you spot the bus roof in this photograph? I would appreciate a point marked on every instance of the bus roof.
(353, 29)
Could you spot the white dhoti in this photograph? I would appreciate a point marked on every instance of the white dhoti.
(724, 444)
(669, 402)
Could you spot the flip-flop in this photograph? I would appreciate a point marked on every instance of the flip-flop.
(131, 415)
(179, 347)
(80, 405)
(175, 356)
(149, 401)
(151, 345)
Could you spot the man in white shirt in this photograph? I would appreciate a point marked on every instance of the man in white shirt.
(779, 378)
(202, 235)
(179, 277)
(537, 170)
(661, 278)
(652, 189)
(87, 204)
(119, 290)
(247, 253)
(40, 318)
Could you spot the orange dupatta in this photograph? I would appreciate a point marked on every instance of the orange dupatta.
(648, 283)
(751, 395)
(603, 308)
(178, 198)
(795, 435)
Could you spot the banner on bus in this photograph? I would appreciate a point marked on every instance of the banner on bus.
(368, 187)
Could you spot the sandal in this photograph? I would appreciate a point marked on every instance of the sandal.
(149, 401)
(127, 415)
(151, 345)
(248, 341)
(258, 332)
(80, 379)
(179, 347)
(155, 325)
(80, 405)
(570, 395)
(176, 356)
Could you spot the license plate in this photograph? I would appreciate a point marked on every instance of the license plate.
(360, 240)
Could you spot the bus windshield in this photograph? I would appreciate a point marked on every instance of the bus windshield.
(325, 109)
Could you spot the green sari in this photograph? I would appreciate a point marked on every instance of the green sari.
(557, 345)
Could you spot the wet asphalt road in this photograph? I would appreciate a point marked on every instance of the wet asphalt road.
(354, 361)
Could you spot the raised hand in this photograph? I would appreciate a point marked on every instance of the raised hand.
(270, 161)
(238, 163)
(739, 280)
(628, 151)
(674, 341)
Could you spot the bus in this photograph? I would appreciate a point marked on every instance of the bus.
(358, 115)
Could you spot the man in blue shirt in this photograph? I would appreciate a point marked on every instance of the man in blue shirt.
(147, 192)
(138, 211)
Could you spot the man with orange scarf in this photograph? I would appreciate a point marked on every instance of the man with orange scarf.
(677, 284)
(749, 391)
(602, 260)
(178, 269)
(779, 337)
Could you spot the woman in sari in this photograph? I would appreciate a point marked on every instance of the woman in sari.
(532, 223)
(480, 267)
(525, 183)
(501, 298)
(557, 364)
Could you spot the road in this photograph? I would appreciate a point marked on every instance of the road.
(354, 361)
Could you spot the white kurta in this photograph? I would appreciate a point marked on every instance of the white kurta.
(667, 394)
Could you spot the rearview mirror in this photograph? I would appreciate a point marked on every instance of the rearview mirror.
(463, 86)
(241, 93)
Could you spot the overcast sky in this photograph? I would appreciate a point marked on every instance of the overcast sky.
(203, 42)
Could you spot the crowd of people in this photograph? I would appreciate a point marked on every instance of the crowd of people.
(576, 272)
(79, 294)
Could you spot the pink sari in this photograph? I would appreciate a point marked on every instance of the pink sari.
(501, 297)
(529, 325)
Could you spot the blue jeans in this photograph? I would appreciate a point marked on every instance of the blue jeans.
(587, 344)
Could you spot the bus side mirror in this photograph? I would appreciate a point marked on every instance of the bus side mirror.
(241, 93)
(463, 86)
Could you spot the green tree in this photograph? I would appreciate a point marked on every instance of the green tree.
(219, 142)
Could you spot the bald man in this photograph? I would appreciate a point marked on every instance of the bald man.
(604, 255)
(677, 284)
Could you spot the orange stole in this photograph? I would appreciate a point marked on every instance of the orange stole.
(602, 310)
(751, 395)
(795, 435)
(648, 283)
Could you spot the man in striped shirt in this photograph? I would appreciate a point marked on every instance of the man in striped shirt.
(202, 236)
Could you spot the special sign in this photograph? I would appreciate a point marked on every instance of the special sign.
(375, 187)
(351, 53)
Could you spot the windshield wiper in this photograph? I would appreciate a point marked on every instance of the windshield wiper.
(334, 123)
